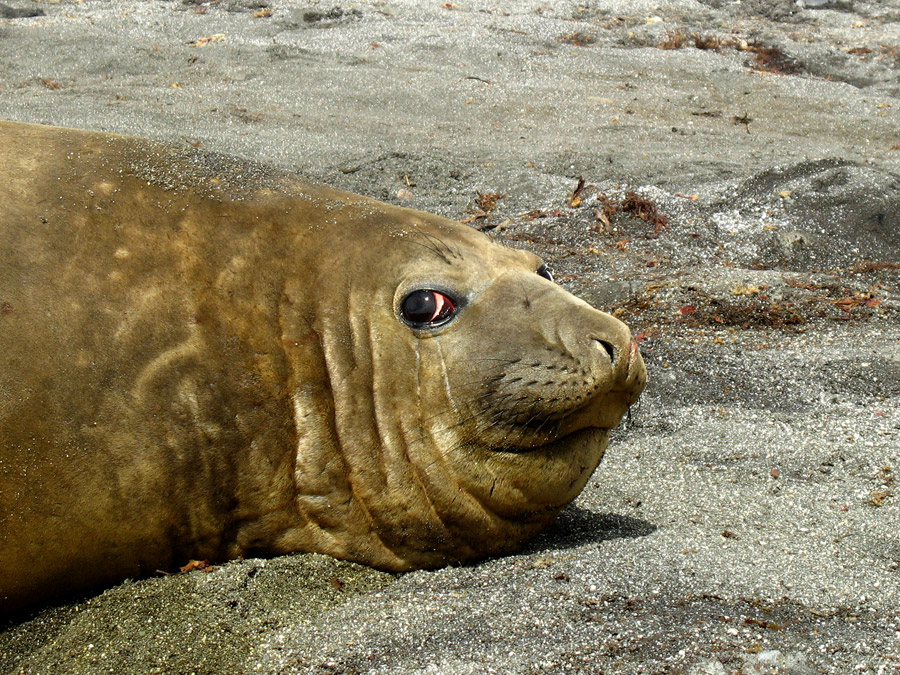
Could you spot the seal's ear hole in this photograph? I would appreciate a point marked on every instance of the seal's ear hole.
(427, 309)
(544, 271)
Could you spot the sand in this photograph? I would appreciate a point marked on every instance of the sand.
(746, 517)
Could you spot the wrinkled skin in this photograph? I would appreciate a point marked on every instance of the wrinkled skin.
(203, 358)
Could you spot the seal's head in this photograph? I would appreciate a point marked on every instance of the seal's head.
(204, 358)
(469, 396)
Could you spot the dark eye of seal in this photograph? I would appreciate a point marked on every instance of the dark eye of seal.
(427, 309)
(544, 271)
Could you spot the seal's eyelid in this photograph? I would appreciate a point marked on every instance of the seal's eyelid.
(544, 271)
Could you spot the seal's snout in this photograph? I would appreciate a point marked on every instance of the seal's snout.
(621, 366)
(634, 374)
(635, 359)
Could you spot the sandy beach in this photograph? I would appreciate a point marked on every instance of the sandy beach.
(722, 176)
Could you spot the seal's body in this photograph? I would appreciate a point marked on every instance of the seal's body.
(203, 358)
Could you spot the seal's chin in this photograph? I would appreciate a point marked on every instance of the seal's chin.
(547, 476)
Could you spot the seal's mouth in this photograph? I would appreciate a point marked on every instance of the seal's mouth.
(560, 444)
(599, 415)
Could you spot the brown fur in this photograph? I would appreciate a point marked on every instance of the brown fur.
(202, 358)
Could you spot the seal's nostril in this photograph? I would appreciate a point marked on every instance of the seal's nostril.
(608, 348)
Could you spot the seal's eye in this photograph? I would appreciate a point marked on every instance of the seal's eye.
(427, 309)
(544, 271)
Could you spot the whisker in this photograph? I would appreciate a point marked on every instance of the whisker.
(497, 415)
(438, 242)
(434, 250)
(497, 409)
(482, 380)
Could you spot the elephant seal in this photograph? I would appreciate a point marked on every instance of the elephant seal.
(201, 357)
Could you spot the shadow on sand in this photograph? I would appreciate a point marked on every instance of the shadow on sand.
(577, 527)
